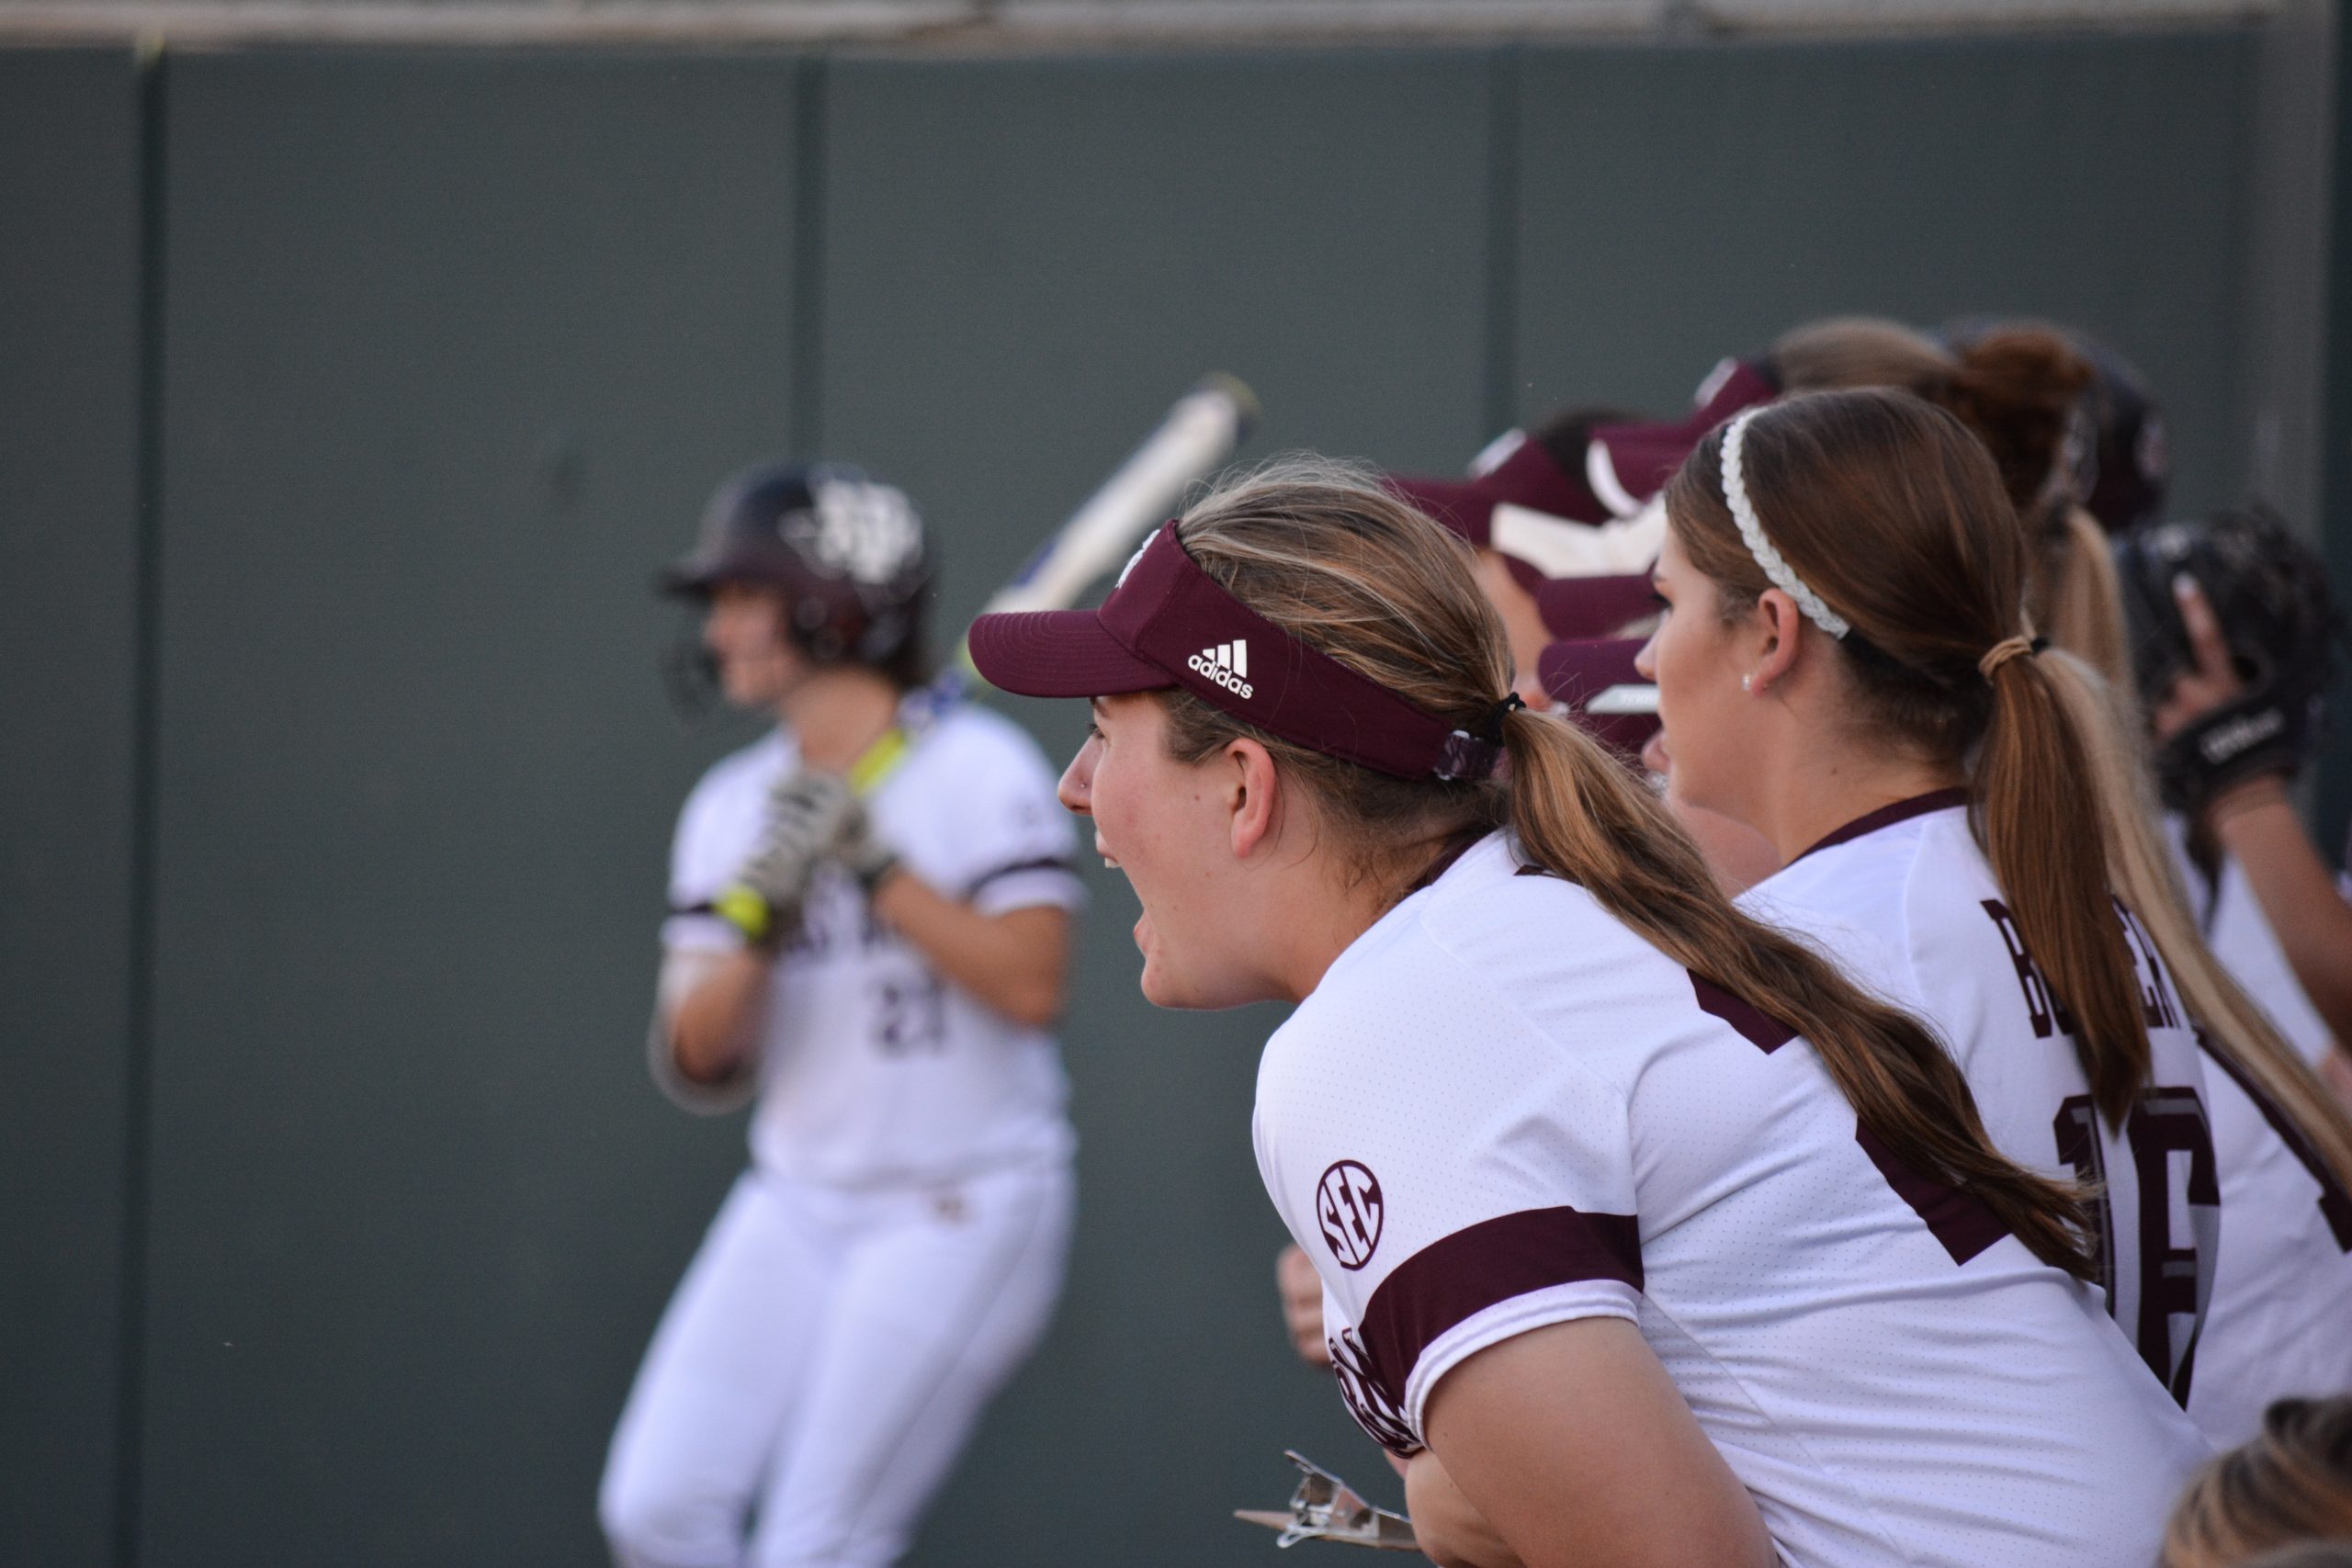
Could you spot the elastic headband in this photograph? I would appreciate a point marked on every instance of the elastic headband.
(1170, 625)
(1751, 533)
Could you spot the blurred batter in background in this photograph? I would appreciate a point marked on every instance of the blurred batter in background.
(869, 930)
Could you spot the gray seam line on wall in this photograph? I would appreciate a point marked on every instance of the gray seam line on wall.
(1502, 244)
(146, 741)
(984, 25)
(808, 345)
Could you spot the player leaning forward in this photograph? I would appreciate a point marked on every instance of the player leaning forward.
(881, 972)
(1650, 1237)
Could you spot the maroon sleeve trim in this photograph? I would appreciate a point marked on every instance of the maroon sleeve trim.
(1462, 1275)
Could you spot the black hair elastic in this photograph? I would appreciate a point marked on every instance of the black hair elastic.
(1490, 729)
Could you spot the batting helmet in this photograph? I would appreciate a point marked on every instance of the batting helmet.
(2269, 591)
(847, 553)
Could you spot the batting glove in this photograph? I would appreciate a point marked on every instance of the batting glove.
(806, 812)
(866, 857)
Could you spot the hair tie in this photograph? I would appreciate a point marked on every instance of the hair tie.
(1490, 729)
(1472, 754)
(2009, 647)
(1751, 533)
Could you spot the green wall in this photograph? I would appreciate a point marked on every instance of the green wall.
(426, 359)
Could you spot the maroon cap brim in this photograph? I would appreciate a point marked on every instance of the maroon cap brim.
(1593, 607)
(1459, 506)
(1635, 458)
(1058, 653)
(1587, 672)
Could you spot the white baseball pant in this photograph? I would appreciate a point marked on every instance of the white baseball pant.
(821, 1365)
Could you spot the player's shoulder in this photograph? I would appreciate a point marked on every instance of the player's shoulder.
(1499, 961)
(1499, 915)
(745, 772)
(1908, 880)
(970, 744)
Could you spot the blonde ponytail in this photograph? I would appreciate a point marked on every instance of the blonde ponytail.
(2146, 877)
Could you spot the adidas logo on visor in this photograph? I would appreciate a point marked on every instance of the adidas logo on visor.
(1227, 664)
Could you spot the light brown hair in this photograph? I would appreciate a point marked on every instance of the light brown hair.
(1892, 513)
(1330, 556)
(2018, 389)
(2293, 1483)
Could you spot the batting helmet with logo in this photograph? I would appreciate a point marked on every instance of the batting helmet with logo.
(848, 554)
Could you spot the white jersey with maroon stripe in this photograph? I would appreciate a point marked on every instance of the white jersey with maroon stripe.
(1946, 946)
(873, 1070)
(1502, 1109)
(2281, 1322)
(2226, 910)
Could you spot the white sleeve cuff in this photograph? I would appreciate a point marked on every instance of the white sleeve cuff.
(1510, 1319)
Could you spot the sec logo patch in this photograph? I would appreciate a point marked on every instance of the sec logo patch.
(1348, 1207)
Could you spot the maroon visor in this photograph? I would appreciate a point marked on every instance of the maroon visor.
(1594, 606)
(1627, 464)
(1170, 625)
(1529, 477)
(1595, 682)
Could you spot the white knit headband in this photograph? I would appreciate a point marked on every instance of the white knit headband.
(1751, 533)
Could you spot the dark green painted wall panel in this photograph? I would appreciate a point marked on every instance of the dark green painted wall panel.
(458, 345)
(69, 388)
(1682, 204)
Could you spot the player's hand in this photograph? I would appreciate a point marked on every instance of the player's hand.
(2213, 682)
(2215, 732)
(865, 855)
(1302, 1292)
(805, 811)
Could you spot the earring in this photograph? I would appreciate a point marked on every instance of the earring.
(1748, 682)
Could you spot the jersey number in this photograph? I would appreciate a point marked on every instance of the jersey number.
(2172, 1156)
(911, 1015)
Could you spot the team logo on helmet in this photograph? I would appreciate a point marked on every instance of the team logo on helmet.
(868, 533)
(1349, 1208)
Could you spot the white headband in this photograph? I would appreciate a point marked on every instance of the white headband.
(1751, 533)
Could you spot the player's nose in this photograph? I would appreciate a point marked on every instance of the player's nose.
(1646, 661)
(1075, 791)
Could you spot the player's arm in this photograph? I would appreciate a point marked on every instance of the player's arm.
(1015, 962)
(1569, 1444)
(710, 1009)
(2255, 824)
(2252, 817)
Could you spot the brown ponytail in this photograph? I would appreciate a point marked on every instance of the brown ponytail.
(1936, 582)
(1326, 552)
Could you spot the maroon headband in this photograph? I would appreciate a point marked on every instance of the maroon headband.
(1169, 624)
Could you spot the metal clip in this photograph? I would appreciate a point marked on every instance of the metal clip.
(1327, 1508)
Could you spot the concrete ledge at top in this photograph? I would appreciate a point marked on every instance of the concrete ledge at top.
(979, 25)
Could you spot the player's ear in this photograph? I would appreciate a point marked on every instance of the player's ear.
(1249, 795)
(1776, 618)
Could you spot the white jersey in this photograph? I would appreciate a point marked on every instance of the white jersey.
(875, 1071)
(1946, 948)
(2240, 935)
(1502, 1109)
(2280, 1302)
